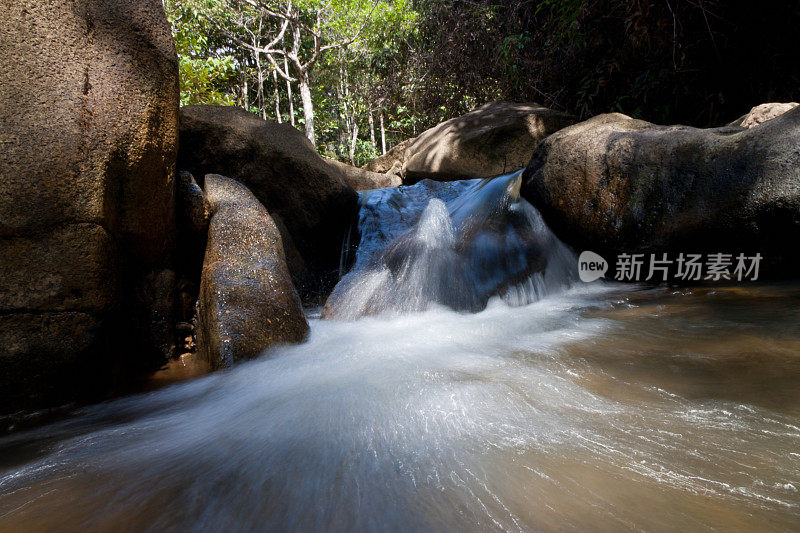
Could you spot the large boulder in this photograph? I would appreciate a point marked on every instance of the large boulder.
(496, 138)
(88, 104)
(282, 169)
(618, 184)
(390, 162)
(362, 180)
(247, 301)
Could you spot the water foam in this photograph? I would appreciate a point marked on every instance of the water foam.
(455, 244)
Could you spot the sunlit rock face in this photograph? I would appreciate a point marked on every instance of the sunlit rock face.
(616, 184)
(453, 244)
(494, 139)
(762, 113)
(89, 112)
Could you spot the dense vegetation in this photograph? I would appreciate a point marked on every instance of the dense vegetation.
(348, 70)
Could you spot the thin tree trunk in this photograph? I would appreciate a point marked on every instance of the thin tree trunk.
(353, 144)
(372, 130)
(289, 91)
(308, 106)
(277, 97)
(344, 131)
(383, 135)
(348, 122)
(341, 119)
(260, 94)
(245, 103)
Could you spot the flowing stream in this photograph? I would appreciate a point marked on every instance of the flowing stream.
(462, 380)
(455, 244)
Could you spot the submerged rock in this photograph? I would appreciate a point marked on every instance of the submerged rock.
(88, 104)
(281, 168)
(618, 184)
(247, 301)
(361, 180)
(497, 138)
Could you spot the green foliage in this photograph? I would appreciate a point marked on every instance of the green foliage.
(348, 82)
(365, 152)
(418, 62)
(206, 74)
(203, 81)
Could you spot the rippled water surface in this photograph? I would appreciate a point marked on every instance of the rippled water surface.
(603, 408)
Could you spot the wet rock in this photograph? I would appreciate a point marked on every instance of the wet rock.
(295, 262)
(497, 138)
(361, 180)
(158, 294)
(45, 354)
(193, 209)
(184, 328)
(282, 169)
(618, 184)
(88, 103)
(193, 214)
(762, 113)
(247, 301)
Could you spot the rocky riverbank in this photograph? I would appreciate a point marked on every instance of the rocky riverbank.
(120, 212)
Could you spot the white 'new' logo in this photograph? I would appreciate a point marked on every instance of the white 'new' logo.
(591, 266)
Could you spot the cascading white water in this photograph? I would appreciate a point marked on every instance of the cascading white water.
(595, 408)
(454, 244)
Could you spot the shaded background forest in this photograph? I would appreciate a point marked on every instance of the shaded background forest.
(409, 64)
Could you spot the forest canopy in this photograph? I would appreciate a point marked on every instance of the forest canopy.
(359, 76)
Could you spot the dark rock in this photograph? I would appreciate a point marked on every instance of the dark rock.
(184, 328)
(282, 169)
(88, 103)
(247, 301)
(44, 355)
(497, 138)
(361, 180)
(35, 277)
(618, 184)
(295, 262)
(193, 214)
(159, 294)
(193, 209)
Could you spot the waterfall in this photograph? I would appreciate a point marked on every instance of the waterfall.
(453, 244)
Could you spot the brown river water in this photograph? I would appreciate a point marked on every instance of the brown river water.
(561, 405)
(602, 408)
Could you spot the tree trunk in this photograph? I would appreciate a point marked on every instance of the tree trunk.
(308, 106)
(353, 145)
(343, 134)
(277, 97)
(383, 135)
(372, 130)
(245, 103)
(289, 91)
(260, 93)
